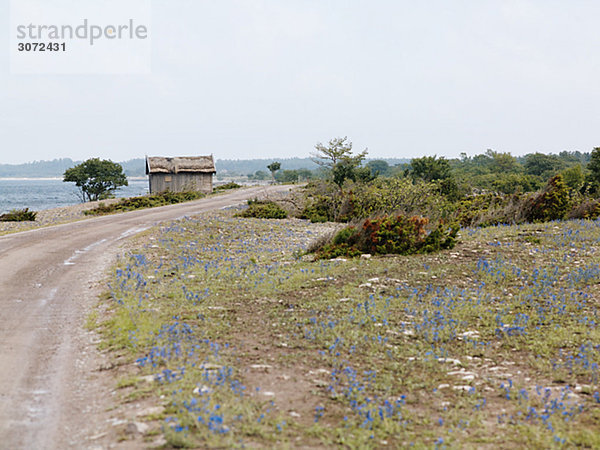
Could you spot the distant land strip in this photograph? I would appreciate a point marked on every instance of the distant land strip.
(136, 167)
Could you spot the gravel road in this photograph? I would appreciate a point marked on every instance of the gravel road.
(52, 393)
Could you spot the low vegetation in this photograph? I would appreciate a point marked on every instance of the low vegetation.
(428, 187)
(227, 186)
(398, 235)
(263, 209)
(239, 341)
(483, 190)
(19, 215)
(147, 201)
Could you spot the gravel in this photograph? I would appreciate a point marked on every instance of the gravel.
(53, 216)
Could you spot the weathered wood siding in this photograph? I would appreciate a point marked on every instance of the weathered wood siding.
(180, 182)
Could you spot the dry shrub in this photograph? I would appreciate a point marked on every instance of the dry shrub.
(19, 215)
(587, 209)
(397, 234)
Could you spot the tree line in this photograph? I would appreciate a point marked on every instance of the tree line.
(485, 189)
(488, 172)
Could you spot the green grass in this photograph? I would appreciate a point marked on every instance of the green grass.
(492, 343)
(146, 201)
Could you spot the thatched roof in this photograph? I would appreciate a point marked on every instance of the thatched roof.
(180, 164)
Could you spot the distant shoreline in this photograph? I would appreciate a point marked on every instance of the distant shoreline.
(28, 179)
(42, 193)
(54, 178)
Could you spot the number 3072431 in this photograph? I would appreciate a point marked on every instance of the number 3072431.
(42, 47)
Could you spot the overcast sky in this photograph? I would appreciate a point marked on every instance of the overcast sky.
(270, 79)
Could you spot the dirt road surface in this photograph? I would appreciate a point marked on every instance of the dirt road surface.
(52, 393)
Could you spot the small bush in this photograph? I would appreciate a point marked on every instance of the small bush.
(321, 202)
(325, 202)
(19, 215)
(230, 185)
(263, 209)
(398, 234)
(332, 251)
(550, 204)
(386, 196)
(319, 209)
(588, 209)
(486, 210)
(148, 201)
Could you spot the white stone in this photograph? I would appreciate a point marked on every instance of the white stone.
(469, 334)
(148, 378)
(461, 388)
(152, 411)
(456, 362)
(142, 427)
(261, 366)
(201, 390)
(211, 367)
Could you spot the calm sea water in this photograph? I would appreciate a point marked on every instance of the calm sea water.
(38, 194)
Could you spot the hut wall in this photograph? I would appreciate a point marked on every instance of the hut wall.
(180, 182)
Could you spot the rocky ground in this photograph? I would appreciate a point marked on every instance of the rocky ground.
(54, 216)
(242, 341)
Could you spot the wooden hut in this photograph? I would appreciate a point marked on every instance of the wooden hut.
(180, 174)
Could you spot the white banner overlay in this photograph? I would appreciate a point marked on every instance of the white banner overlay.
(80, 36)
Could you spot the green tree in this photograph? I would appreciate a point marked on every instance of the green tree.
(344, 169)
(594, 165)
(96, 178)
(429, 168)
(305, 174)
(338, 150)
(338, 160)
(378, 167)
(259, 175)
(287, 176)
(364, 174)
(513, 183)
(432, 168)
(274, 167)
(574, 177)
(504, 163)
(543, 165)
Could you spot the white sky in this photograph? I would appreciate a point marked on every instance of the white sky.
(269, 79)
